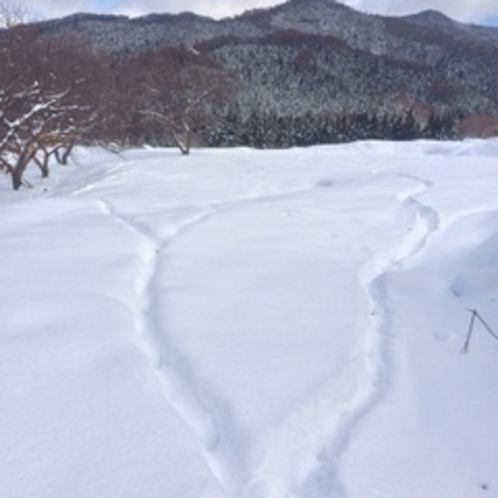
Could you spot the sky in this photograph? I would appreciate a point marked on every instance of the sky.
(476, 11)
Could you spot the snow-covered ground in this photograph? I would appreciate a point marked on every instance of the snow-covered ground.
(252, 324)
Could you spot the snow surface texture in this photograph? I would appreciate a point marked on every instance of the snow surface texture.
(254, 324)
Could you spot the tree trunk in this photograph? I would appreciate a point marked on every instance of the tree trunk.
(17, 171)
(16, 175)
(43, 164)
(188, 141)
(66, 153)
(45, 171)
(183, 143)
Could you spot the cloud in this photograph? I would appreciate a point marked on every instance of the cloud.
(52, 8)
(463, 10)
(212, 8)
(48, 9)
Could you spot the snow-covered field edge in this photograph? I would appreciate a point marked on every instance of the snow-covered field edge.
(259, 324)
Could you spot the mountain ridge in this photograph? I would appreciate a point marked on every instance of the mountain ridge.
(310, 60)
(315, 17)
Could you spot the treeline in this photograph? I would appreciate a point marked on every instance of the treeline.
(55, 94)
(269, 130)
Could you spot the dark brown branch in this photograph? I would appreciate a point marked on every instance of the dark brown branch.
(476, 315)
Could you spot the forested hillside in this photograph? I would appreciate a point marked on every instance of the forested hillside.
(300, 73)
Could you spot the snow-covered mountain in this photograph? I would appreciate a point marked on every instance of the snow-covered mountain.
(372, 33)
(319, 57)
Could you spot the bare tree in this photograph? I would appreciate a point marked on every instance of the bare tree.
(43, 110)
(12, 14)
(181, 96)
(27, 124)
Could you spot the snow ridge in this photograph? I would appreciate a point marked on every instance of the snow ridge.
(180, 391)
(374, 279)
(374, 363)
(318, 471)
(204, 413)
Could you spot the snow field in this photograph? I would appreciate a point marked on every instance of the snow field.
(264, 324)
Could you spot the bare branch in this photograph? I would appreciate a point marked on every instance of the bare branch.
(12, 14)
(476, 315)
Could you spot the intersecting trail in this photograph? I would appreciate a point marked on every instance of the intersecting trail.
(247, 456)
(198, 406)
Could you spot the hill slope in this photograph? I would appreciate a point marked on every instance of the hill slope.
(310, 59)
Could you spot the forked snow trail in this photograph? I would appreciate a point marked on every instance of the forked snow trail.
(281, 324)
(203, 410)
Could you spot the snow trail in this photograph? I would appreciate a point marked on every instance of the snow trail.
(172, 373)
(200, 409)
(252, 325)
(373, 361)
(205, 413)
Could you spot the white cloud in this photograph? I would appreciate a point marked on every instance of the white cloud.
(212, 8)
(464, 10)
(47, 9)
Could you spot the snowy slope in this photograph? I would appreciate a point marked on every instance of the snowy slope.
(257, 324)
